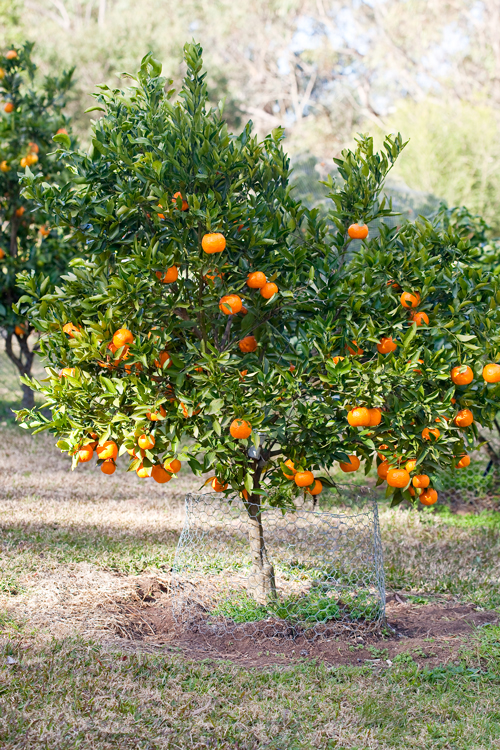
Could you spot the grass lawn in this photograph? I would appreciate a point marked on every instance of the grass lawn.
(74, 548)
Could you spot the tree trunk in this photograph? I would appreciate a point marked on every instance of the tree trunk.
(261, 583)
(23, 363)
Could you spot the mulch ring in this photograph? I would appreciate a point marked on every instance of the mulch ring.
(430, 633)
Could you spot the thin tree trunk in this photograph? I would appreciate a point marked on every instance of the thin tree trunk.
(261, 581)
(23, 363)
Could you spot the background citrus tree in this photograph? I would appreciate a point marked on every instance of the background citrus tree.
(30, 115)
(213, 319)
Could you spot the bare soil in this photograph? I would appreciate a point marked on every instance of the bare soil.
(430, 633)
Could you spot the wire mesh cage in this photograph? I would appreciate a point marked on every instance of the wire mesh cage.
(318, 573)
(468, 485)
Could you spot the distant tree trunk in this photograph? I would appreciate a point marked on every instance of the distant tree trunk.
(101, 18)
(261, 581)
(23, 363)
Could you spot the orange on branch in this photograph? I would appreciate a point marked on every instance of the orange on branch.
(143, 471)
(359, 417)
(248, 344)
(315, 489)
(462, 375)
(269, 290)
(185, 204)
(428, 497)
(71, 330)
(108, 466)
(375, 417)
(9, 107)
(230, 304)
(419, 318)
(355, 352)
(155, 416)
(353, 464)
(11, 54)
(163, 357)
(426, 433)
(386, 345)
(383, 469)
(290, 465)
(421, 481)
(213, 243)
(358, 231)
(336, 360)
(108, 449)
(398, 478)
(408, 299)
(304, 478)
(160, 475)
(85, 454)
(411, 464)
(169, 276)
(464, 418)
(218, 486)
(173, 466)
(491, 373)
(463, 462)
(256, 280)
(122, 336)
(67, 371)
(146, 442)
(240, 429)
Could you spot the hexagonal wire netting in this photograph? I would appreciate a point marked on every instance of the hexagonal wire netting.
(323, 569)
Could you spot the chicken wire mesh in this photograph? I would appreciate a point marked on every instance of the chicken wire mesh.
(468, 485)
(322, 569)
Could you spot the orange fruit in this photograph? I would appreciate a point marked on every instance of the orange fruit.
(20, 330)
(33, 147)
(11, 54)
(462, 375)
(62, 130)
(464, 462)
(146, 442)
(244, 494)
(162, 358)
(20, 211)
(426, 433)
(382, 469)
(315, 489)
(185, 204)
(230, 304)
(67, 371)
(304, 478)
(243, 310)
(386, 345)
(9, 107)
(24, 162)
(122, 336)
(491, 373)
(336, 360)
(143, 471)
(242, 374)
(421, 481)
(85, 454)
(289, 464)
(108, 466)
(160, 475)
(393, 284)
(398, 478)
(71, 330)
(2, 253)
(411, 491)
(170, 275)
(218, 486)
(212, 275)
(358, 231)
(213, 243)
(353, 465)
(248, 344)
(256, 280)
(382, 447)
(155, 416)
(44, 231)
(4, 167)
(419, 318)
(408, 299)
(375, 417)
(173, 466)
(108, 449)
(31, 159)
(358, 352)
(464, 418)
(359, 417)
(411, 464)
(428, 497)
(268, 290)
(240, 429)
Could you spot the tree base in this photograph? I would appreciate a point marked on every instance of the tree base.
(261, 583)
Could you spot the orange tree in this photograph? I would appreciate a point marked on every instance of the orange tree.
(214, 320)
(30, 116)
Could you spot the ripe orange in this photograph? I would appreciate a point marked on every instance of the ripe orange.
(108, 449)
(411, 464)
(4, 167)
(491, 373)
(387, 345)
(428, 497)
(256, 280)
(122, 336)
(336, 360)
(31, 159)
(353, 465)
(358, 231)
(2, 253)
(462, 375)
(382, 447)
(398, 478)
(62, 130)
(359, 417)
(394, 285)
(108, 466)
(218, 486)
(71, 330)
(185, 204)
(240, 429)
(9, 107)
(269, 290)
(375, 417)
(44, 231)
(355, 352)
(426, 433)
(464, 462)
(421, 481)
(213, 243)
(243, 310)
(242, 374)
(248, 344)
(67, 371)
(315, 489)
(411, 491)
(173, 466)
(24, 162)
(85, 454)
(171, 275)
(408, 299)
(382, 469)
(230, 304)
(289, 464)
(419, 318)
(33, 147)
(160, 475)
(143, 471)
(464, 418)
(155, 416)
(20, 330)
(2, 74)
(146, 442)
(11, 54)
(162, 358)
(20, 211)
(304, 478)
(212, 275)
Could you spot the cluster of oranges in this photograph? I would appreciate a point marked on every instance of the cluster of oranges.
(10, 55)
(31, 157)
(303, 479)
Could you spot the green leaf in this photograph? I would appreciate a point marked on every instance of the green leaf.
(62, 138)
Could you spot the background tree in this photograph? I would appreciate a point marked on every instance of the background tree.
(214, 320)
(30, 117)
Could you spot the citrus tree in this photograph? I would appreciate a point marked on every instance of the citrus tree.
(212, 319)
(30, 115)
